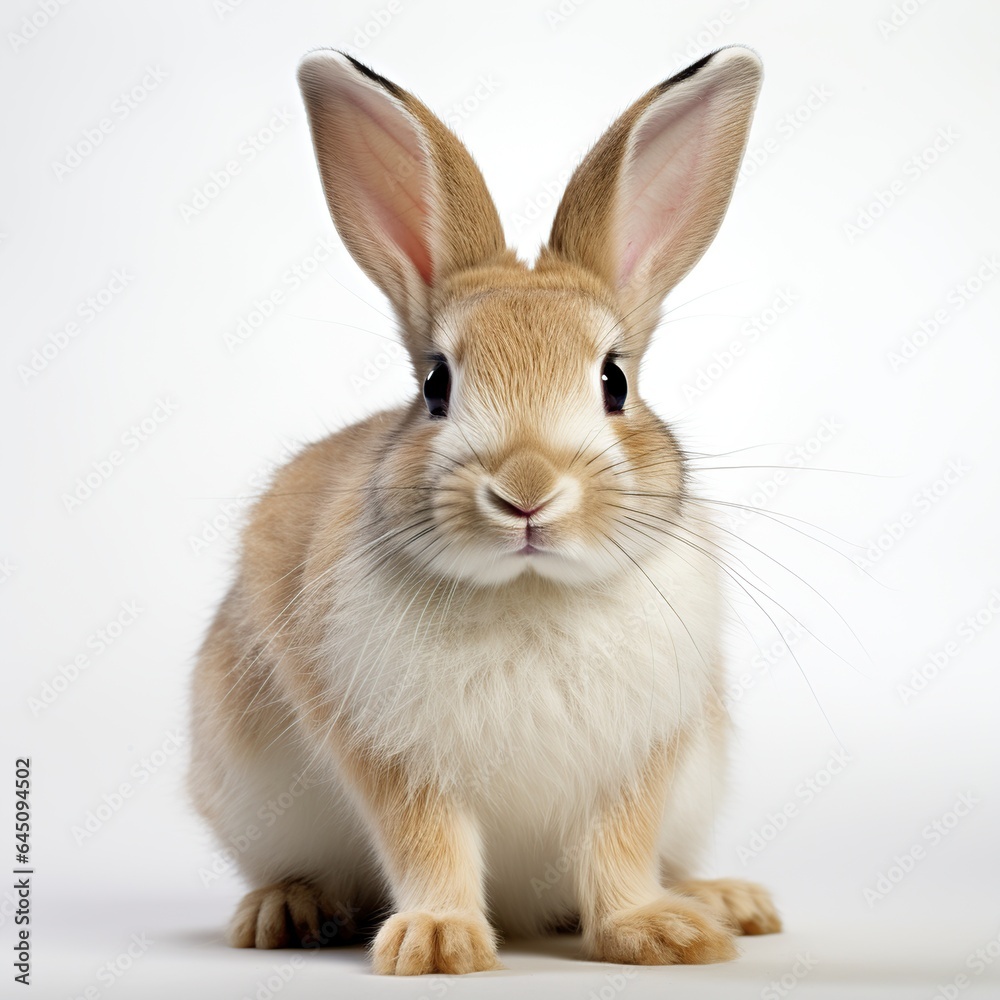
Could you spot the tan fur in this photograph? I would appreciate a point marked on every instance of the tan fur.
(627, 916)
(431, 856)
(467, 226)
(365, 511)
(744, 906)
(295, 531)
(277, 915)
(583, 230)
(671, 930)
(418, 944)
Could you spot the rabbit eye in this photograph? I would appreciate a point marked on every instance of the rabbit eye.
(615, 387)
(437, 387)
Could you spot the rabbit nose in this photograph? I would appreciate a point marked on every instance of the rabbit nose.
(521, 487)
(500, 503)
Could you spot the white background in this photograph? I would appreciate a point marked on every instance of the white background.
(847, 211)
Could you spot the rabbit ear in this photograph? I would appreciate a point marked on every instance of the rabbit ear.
(407, 199)
(648, 199)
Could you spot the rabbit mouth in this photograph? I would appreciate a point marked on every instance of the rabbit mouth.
(531, 542)
(528, 550)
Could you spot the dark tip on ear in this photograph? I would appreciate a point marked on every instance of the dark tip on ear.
(372, 75)
(685, 74)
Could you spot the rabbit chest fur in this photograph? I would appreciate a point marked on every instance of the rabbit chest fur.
(528, 704)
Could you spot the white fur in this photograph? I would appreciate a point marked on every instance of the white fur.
(526, 735)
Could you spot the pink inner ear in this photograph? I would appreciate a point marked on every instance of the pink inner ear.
(412, 246)
(660, 182)
(391, 177)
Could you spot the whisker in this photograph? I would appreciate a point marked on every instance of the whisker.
(742, 582)
(763, 593)
(796, 468)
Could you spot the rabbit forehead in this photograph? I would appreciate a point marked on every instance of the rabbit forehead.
(550, 330)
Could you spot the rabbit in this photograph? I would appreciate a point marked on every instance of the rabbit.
(467, 680)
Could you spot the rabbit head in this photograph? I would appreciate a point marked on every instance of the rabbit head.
(527, 448)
